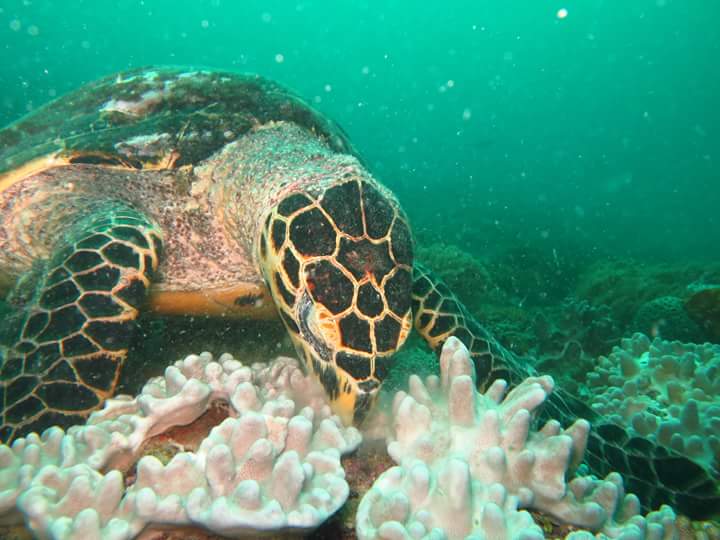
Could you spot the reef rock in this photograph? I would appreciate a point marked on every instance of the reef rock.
(665, 317)
(703, 305)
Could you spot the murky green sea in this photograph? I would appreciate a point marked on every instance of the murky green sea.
(559, 161)
(495, 122)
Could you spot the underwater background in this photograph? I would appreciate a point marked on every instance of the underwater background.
(559, 160)
(546, 152)
(496, 122)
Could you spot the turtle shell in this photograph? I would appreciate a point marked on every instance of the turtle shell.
(154, 118)
(157, 118)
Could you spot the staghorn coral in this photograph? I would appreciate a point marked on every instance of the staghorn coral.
(273, 466)
(467, 462)
(663, 390)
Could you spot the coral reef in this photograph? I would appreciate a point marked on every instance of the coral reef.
(568, 367)
(466, 275)
(663, 390)
(533, 276)
(413, 358)
(665, 317)
(467, 462)
(274, 465)
(703, 305)
(592, 326)
(626, 284)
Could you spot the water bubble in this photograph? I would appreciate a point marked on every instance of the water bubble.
(450, 83)
(562, 13)
(85, 44)
(33, 30)
(205, 23)
(327, 88)
(466, 114)
(365, 70)
(15, 25)
(266, 17)
(279, 58)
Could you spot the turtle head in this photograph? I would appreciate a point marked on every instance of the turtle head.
(338, 263)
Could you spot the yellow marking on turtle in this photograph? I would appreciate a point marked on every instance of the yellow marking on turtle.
(64, 159)
(406, 326)
(31, 168)
(245, 300)
(344, 404)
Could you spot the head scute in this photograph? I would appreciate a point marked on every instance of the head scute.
(339, 266)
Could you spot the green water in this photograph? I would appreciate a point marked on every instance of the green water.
(497, 123)
(559, 160)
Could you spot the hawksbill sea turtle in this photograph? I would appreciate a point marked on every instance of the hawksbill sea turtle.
(207, 192)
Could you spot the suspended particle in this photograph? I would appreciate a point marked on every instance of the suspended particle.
(562, 13)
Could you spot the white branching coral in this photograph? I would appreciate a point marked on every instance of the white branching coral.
(272, 465)
(665, 391)
(467, 462)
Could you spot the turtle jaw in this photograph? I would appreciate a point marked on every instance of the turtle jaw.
(349, 398)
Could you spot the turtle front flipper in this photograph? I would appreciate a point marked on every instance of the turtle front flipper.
(656, 474)
(439, 315)
(77, 325)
